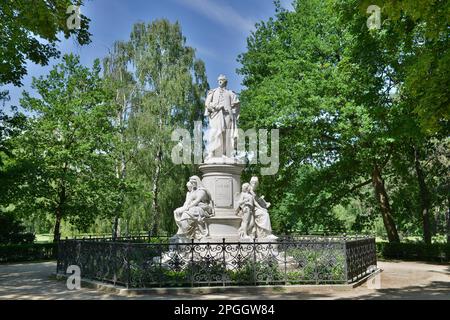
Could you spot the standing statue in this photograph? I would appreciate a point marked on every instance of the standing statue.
(198, 206)
(222, 110)
(246, 212)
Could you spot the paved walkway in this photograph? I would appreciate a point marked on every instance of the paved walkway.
(399, 280)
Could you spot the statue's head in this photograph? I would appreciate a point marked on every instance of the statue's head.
(189, 186)
(245, 187)
(254, 182)
(223, 81)
(195, 181)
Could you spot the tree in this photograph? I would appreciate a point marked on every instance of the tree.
(10, 127)
(29, 31)
(423, 29)
(340, 95)
(305, 77)
(412, 50)
(64, 167)
(170, 83)
(120, 87)
(12, 231)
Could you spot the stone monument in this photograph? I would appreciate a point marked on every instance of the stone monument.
(215, 208)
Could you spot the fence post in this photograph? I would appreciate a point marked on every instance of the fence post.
(345, 260)
(128, 265)
(254, 261)
(224, 262)
(285, 263)
(192, 263)
(160, 273)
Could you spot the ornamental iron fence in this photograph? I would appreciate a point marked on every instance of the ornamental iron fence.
(148, 262)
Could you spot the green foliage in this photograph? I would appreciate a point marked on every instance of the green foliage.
(12, 230)
(341, 97)
(62, 158)
(437, 252)
(257, 271)
(161, 92)
(294, 83)
(10, 127)
(27, 252)
(29, 31)
(423, 40)
(317, 264)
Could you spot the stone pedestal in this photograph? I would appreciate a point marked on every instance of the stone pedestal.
(223, 181)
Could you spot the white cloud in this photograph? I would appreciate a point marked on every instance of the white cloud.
(220, 13)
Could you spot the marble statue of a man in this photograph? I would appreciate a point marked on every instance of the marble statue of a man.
(222, 110)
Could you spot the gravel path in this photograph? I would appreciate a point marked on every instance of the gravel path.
(399, 280)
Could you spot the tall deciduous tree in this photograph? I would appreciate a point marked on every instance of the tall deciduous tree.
(121, 89)
(63, 156)
(165, 92)
(331, 102)
(343, 98)
(423, 36)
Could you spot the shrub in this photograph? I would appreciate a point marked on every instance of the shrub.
(12, 230)
(261, 271)
(27, 252)
(438, 252)
(317, 265)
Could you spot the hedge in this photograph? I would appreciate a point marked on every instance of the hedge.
(27, 252)
(437, 252)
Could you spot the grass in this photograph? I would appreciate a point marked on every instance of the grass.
(48, 237)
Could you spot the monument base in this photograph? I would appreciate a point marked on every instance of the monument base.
(223, 181)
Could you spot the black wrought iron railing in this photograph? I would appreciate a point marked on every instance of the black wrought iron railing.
(142, 263)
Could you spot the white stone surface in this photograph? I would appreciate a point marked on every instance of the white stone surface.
(212, 211)
(222, 109)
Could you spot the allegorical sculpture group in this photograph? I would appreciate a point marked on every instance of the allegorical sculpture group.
(222, 107)
(191, 218)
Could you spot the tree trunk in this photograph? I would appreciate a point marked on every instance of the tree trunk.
(56, 231)
(121, 167)
(383, 201)
(155, 191)
(58, 215)
(447, 218)
(116, 234)
(121, 174)
(424, 196)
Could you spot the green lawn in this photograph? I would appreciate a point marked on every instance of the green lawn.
(48, 237)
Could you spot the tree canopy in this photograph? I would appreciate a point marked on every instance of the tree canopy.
(29, 30)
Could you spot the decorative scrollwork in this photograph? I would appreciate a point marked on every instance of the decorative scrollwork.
(292, 260)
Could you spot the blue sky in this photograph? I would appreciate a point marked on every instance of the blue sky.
(218, 29)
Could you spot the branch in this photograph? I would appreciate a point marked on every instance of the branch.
(358, 186)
